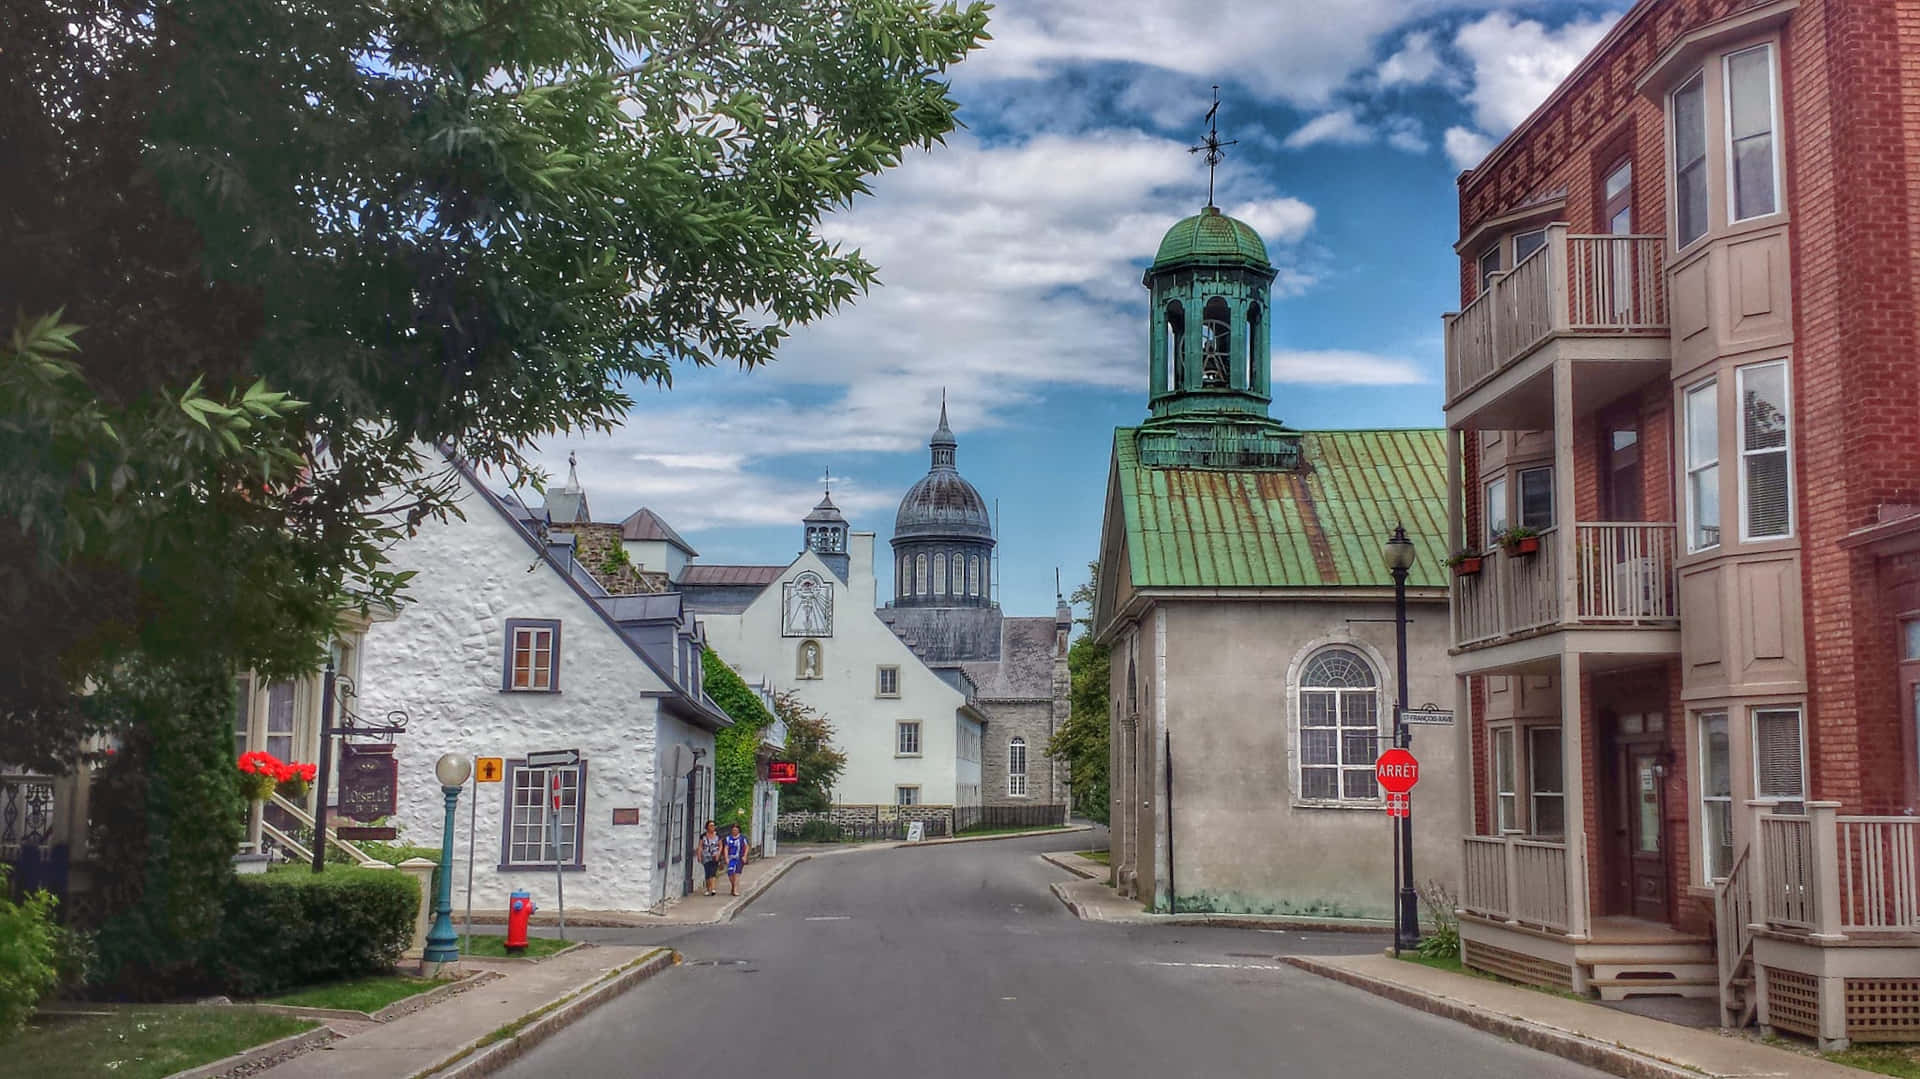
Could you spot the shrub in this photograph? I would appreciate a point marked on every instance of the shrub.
(1444, 941)
(28, 956)
(294, 927)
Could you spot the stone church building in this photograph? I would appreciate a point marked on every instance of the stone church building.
(1250, 616)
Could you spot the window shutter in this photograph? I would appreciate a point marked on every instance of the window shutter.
(1777, 755)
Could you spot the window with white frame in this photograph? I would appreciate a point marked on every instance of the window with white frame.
(907, 738)
(1339, 709)
(1716, 796)
(906, 796)
(940, 574)
(887, 682)
(922, 578)
(1766, 484)
(1496, 509)
(279, 740)
(1546, 773)
(1689, 118)
(1017, 768)
(1536, 498)
(973, 575)
(1506, 816)
(533, 656)
(1703, 466)
(1910, 639)
(1526, 243)
(1779, 755)
(529, 839)
(1752, 150)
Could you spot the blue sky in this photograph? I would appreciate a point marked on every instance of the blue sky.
(1011, 260)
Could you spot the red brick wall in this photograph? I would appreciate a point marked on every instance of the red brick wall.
(1854, 145)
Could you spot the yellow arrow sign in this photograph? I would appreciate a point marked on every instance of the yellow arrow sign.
(489, 769)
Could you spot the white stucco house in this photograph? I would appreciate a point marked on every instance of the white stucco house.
(507, 645)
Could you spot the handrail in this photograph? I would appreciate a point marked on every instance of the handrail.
(355, 854)
(1733, 918)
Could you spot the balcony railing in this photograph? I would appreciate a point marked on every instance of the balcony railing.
(1835, 876)
(1574, 284)
(1517, 880)
(1623, 574)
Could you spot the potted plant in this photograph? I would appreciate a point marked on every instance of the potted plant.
(1519, 540)
(295, 780)
(260, 772)
(1464, 563)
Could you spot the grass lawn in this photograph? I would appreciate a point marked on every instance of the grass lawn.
(1900, 1060)
(143, 1043)
(972, 832)
(359, 994)
(1101, 856)
(495, 947)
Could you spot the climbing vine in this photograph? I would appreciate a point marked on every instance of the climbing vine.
(734, 749)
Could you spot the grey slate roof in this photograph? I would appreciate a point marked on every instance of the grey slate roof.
(706, 575)
(644, 524)
(1025, 668)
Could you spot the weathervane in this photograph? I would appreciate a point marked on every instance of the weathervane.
(828, 480)
(1215, 149)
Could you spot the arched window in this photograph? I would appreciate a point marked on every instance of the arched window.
(940, 574)
(903, 580)
(922, 580)
(1216, 344)
(973, 576)
(1176, 344)
(1017, 768)
(1252, 349)
(1338, 700)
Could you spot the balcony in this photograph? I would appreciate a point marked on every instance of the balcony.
(1603, 295)
(1598, 575)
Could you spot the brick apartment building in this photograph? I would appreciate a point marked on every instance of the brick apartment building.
(1686, 368)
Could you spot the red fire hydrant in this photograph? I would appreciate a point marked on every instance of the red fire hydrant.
(520, 910)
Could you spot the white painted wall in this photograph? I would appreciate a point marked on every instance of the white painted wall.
(440, 660)
(863, 723)
(657, 556)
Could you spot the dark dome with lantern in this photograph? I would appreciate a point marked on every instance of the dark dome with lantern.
(943, 535)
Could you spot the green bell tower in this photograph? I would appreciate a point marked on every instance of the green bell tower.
(1210, 343)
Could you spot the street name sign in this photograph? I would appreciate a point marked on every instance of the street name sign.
(1439, 717)
(553, 758)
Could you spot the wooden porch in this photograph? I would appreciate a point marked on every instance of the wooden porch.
(1523, 917)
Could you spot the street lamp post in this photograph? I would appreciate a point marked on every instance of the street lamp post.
(443, 946)
(1399, 555)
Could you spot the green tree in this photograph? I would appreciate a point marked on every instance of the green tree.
(736, 749)
(1082, 742)
(468, 224)
(810, 748)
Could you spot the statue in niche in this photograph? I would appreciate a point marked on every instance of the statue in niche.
(810, 659)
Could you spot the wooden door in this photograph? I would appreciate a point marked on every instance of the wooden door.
(1646, 834)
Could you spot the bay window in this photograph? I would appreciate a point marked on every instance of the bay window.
(1752, 150)
(1703, 466)
(1496, 509)
(1766, 497)
(1689, 118)
(1716, 797)
(1547, 801)
(1505, 800)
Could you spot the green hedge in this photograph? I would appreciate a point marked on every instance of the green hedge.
(294, 927)
(28, 956)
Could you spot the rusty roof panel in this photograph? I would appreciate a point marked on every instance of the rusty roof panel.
(1318, 527)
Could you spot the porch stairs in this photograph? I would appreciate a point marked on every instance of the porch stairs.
(1733, 920)
(1630, 958)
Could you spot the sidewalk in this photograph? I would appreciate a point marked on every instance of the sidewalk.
(694, 909)
(1612, 1041)
(530, 1002)
(1091, 899)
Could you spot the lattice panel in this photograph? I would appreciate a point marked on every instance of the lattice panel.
(1518, 966)
(1793, 1002)
(1883, 1009)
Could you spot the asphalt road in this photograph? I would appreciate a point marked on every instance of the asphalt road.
(956, 962)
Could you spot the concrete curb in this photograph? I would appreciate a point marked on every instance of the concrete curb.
(1067, 830)
(484, 1056)
(1612, 1059)
(752, 893)
(1078, 871)
(291, 1045)
(1087, 912)
(403, 1006)
(1084, 914)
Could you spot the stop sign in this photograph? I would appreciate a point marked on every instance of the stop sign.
(1397, 771)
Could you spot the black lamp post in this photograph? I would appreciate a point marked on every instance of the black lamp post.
(1399, 556)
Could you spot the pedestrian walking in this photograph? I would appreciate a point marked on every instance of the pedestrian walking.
(709, 855)
(736, 857)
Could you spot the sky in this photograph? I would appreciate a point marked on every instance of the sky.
(1010, 262)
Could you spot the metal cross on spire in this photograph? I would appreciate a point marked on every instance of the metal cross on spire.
(1214, 147)
(828, 480)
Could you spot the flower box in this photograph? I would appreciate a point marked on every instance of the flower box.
(1467, 567)
(1524, 545)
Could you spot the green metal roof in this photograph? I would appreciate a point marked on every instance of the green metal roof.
(1211, 237)
(1320, 526)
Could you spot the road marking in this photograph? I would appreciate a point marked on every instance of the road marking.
(831, 918)
(1219, 966)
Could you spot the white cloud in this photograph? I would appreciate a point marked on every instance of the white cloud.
(1466, 147)
(1515, 64)
(1406, 133)
(1341, 367)
(1415, 64)
(1341, 127)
